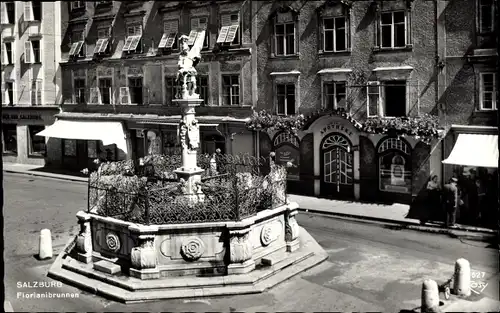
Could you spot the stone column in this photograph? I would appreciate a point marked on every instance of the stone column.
(291, 229)
(143, 256)
(240, 252)
(84, 238)
(189, 137)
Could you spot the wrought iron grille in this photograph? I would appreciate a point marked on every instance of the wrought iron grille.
(233, 187)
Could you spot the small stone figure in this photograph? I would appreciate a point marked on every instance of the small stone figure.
(193, 135)
(182, 133)
(186, 75)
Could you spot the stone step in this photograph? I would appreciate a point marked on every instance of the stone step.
(107, 267)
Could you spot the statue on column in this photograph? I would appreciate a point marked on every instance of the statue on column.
(188, 59)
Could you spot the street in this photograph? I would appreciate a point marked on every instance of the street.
(370, 267)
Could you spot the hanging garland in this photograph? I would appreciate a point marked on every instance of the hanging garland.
(424, 128)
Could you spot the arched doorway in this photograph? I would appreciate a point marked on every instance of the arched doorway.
(337, 175)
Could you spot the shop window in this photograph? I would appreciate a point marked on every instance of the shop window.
(231, 90)
(9, 138)
(286, 147)
(395, 166)
(37, 143)
(92, 149)
(285, 99)
(487, 92)
(213, 142)
(486, 16)
(393, 29)
(335, 95)
(69, 147)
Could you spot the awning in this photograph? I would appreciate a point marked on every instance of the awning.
(475, 150)
(108, 132)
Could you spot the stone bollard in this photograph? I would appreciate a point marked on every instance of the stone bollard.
(461, 278)
(45, 246)
(430, 296)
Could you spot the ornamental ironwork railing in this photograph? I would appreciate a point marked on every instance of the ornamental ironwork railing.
(233, 188)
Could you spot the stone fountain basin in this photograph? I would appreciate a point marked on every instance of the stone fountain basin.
(190, 260)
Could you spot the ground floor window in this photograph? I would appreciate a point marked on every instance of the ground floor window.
(69, 147)
(394, 166)
(37, 144)
(93, 149)
(9, 138)
(211, 143)
(171, 145)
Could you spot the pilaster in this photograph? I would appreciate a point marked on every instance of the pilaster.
(84, 238)
(240, 252)
(143, 256)
(291, 230)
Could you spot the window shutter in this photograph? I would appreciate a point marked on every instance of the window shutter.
(321, 35)
(192, 36)
(233, 30)
(4, 18)
(145, 95)
(98, 46)
(28, 11)
(128, 42)
(39, 87)
(124, 95)
(5, 98)
(223, 34)
(163, 40)
(27, 52)
(5, 59)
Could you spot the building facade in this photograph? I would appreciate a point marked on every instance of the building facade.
(372, 59)
(30, 39)
(120, 65)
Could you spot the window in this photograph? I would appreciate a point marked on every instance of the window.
(9, 138)
(7, 53)
(198, 24)
(36, 92)
(229, 32)
(286, 146)
(230, 89)
(92, 149)
(37, 10)
(285, 96)
(105, 90)
(488, 100)
(171, 145)
(77, 39)
(103, 3)
(284, 34)
(335, 34)
(136, 89)
(395, 98)
(133, 42)
(486, 16)
(388, 99)
(8, 12)
(171, 89)
(335, 95)
(395, 174)
(37, 143)
(77, 5)
(69, 147)
(79, 84)
(8, 97)
(202, 88)
(393, 29)
(103, 35)
(373, 99)
(35, 46)
(169, 38)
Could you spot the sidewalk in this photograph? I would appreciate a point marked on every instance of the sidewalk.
(393, 215)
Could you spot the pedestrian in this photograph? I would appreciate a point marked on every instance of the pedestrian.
(431, 200)
(450, 202)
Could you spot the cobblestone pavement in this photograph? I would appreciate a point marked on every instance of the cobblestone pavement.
(370, 268)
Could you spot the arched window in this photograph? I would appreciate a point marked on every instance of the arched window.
(287, 150)
(395, 174)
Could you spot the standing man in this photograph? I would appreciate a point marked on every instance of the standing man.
(450, 202)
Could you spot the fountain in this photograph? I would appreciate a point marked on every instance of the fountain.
(190, 236)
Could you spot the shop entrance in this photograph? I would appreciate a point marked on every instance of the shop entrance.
(337, 167)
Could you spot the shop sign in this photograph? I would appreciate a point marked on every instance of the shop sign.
(336, 127)
(288, 153)
(31, 117)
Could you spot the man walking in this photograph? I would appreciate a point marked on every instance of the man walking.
(450, 202)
